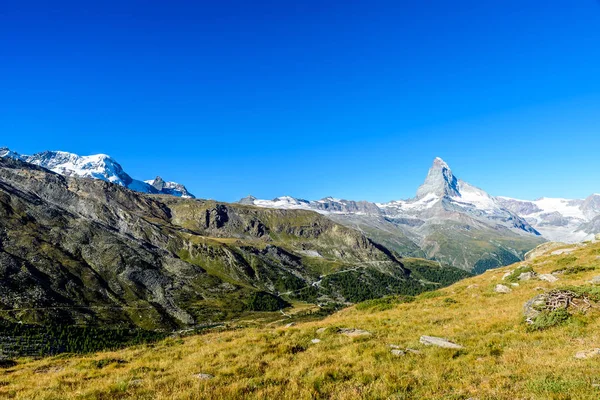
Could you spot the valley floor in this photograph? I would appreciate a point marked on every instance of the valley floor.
(501, 359)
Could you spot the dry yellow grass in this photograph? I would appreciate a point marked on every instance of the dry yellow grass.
(501, 359)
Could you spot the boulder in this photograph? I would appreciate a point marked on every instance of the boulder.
(439, 342)
(532, 308)
(595, 280)
(502, 289)
(526, 276)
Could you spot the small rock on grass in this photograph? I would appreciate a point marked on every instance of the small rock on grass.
(595, 280)
(315, 341)
(584, 354)
(502, 289)
(354, 332)
(439, 342)
(321, 330)
(398, 352)
(547, 277)
(204, 377)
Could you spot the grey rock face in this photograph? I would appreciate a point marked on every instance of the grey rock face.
(248, 200)
(522, 208)
(439, 181)
(532, 308)
(170, 188)
(330, 204)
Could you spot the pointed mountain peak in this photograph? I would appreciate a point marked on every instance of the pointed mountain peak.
(158, 183)
(439, 162)
(440, 181)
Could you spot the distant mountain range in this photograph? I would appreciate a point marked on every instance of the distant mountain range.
(458, 223)
(98, 166)
(448, 220)
(79, 251)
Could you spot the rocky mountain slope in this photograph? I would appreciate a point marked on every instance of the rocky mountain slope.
(526, 331)
(99, 166)
(448, 220)
(87, 251)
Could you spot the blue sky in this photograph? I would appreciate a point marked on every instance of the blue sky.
(313, 98)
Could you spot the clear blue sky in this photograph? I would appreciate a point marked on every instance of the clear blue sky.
(311, 98)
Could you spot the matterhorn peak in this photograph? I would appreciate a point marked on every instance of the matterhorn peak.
(440, 181)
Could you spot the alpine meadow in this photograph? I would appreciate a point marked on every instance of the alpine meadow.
(299, 200)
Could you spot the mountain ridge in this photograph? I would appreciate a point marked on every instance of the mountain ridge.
(97, 166)
(89, 252)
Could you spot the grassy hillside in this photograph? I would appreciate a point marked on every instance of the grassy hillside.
(503, 357)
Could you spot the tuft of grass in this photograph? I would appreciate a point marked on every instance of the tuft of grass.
(574, 270)
(384, 303)
(431, 295)
(99, 364)
(548, 319)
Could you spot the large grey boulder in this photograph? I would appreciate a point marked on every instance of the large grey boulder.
(439, 342)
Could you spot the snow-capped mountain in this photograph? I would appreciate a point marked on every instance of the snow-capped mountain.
(441, 192)
(449, 220)
(98, 166)
(171, 188)
(562, 220)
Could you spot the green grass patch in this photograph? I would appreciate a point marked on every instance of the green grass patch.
(384, 303)
(548, 319)
(574, 270)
